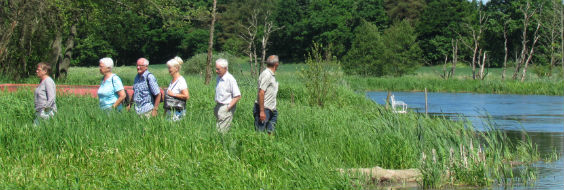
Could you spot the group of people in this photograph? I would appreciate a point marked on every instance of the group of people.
(147, 94)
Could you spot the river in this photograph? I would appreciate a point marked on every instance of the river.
(541, 116)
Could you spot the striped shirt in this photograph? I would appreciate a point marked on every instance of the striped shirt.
(143, 95)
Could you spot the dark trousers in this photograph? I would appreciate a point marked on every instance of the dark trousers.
(270, 122)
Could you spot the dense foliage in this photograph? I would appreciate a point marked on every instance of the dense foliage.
(161, 29)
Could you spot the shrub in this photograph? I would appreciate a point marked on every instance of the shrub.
(320, 76)
(541, 70)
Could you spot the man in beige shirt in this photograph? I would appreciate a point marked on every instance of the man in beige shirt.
(227, 94)
(265, 112)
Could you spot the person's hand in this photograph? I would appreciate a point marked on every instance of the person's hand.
(262, 116)
(154, 113)
(128, 107)
(170, 93)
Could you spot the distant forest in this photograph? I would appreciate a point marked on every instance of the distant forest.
(366, 36)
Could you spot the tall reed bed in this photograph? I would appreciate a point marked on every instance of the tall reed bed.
(416, 83)
(82, 147)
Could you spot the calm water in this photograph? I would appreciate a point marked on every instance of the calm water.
(541, 116)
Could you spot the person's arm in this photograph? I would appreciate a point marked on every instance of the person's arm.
(157, 102)
(156, 92)
(51, 94)
(118, 87)
(184, 94)
(262, 115)
(236, 93)
(121, 97)
(130, 100)
(233, 102)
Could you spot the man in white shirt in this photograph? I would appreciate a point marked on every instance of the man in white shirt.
(227, 95)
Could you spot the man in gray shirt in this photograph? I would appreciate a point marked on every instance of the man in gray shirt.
(265, 112)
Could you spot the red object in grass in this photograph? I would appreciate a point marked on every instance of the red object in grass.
(80, 90)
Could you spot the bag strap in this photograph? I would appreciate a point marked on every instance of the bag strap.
(149, 85)
(174, 85)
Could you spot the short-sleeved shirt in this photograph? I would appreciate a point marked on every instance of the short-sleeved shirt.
(143, 95)
(178, 85)
(268, 83)
(226, 89)
(107, 93)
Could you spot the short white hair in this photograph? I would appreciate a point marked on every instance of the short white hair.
(222, 62)
(272, 60)
(107, 62)
(144, 61)
(175, 62)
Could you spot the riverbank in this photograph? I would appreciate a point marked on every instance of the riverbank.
(84, 148)
(428, 77)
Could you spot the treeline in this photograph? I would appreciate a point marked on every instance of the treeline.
(369, 37)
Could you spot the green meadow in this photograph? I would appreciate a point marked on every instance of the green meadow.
(85, 148)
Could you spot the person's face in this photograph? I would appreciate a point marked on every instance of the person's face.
(220, 71)
(172, 70)
(141, 68)
(40, 72)
(103, 69)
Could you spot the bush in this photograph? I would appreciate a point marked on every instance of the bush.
(320, 76)
(197, 63)
(541, 70)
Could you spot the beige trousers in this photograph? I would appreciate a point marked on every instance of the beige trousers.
(224, 117)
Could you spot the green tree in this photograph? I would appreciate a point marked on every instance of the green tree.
(404, 9)
(402, 53)
(24, 42)
(366, 52)
(438, 25)
(395, 52)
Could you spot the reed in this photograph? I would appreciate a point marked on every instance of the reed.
(83, 147)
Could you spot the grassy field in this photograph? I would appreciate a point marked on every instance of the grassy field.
(82, 147)
(429, 77)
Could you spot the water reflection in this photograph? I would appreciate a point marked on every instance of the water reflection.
(541, 116)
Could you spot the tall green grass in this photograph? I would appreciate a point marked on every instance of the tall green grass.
(428, 77)
(82, 147)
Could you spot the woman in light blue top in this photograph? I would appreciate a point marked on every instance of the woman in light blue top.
(111, 92)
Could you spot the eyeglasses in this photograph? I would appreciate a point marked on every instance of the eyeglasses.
(141, 65)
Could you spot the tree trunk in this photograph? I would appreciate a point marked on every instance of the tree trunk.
(530, 56)
(479, 76)
(210, 45)
(65, 64)
(56, 49)
(474, 61)
(454, 56)
(255, 67)
(251, 60)
(506, 52)
(526, 20)
(552, 51)
(263, 57)
(482, 66)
